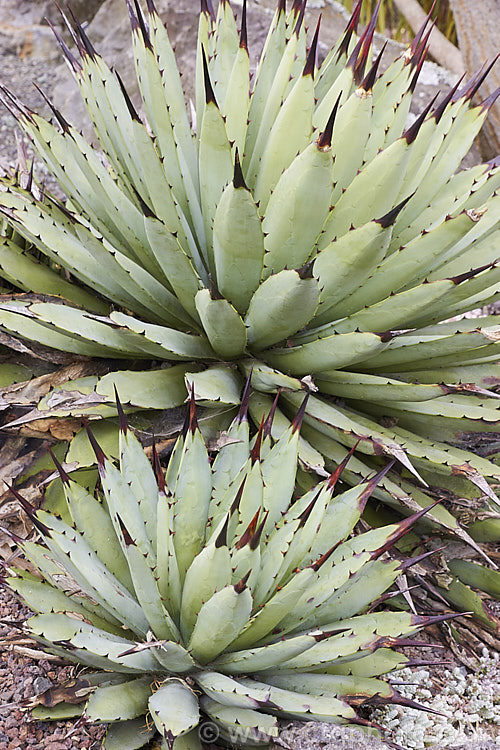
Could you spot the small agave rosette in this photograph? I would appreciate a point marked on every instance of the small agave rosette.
(208, 600)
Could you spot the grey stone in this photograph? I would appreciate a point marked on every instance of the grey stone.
(315, 735)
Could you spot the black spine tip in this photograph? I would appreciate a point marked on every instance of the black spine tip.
(255, 540)
(209, 92)
(61, 471)
(243, 411)
(325, 139)
(390, 218)
(441, 107)
(248, 533)
(335, 475)
(241, 585)
(299, 15)
(99, 453)
(243, 30)
(193, 421)
(268, 424)
(160, 477)
(299, 417)
(413, 131)
(142, 24)
(122, 420)
(238, 179)
(221, 540)
(255, 452)
(368, 81)
(312, 57)
(132, 110)
(470, 274)
(490, 100)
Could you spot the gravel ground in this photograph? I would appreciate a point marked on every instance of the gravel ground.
(21, 678)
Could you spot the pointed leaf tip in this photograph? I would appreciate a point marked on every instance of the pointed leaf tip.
(221, 540)
(238, 179)
(241, 585)
(268, 424)
(411, 133)
(243, 30)
(209, 92)
(411, 561)
(99, 453)
(122, 420)
(368, 81)
(390, 218)
(255, 540)
(403, 527)
(335, 475)
(249, 532)
(325, 139)
(160, 477)
(193, 421)
(61, 471)
(441, 107)
(243, 411)
(299, 417)
(311, 61)
(255, 452)
(208, 9)
(29, 510)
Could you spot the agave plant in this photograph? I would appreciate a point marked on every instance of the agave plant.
(210, 593)
(294, 229)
